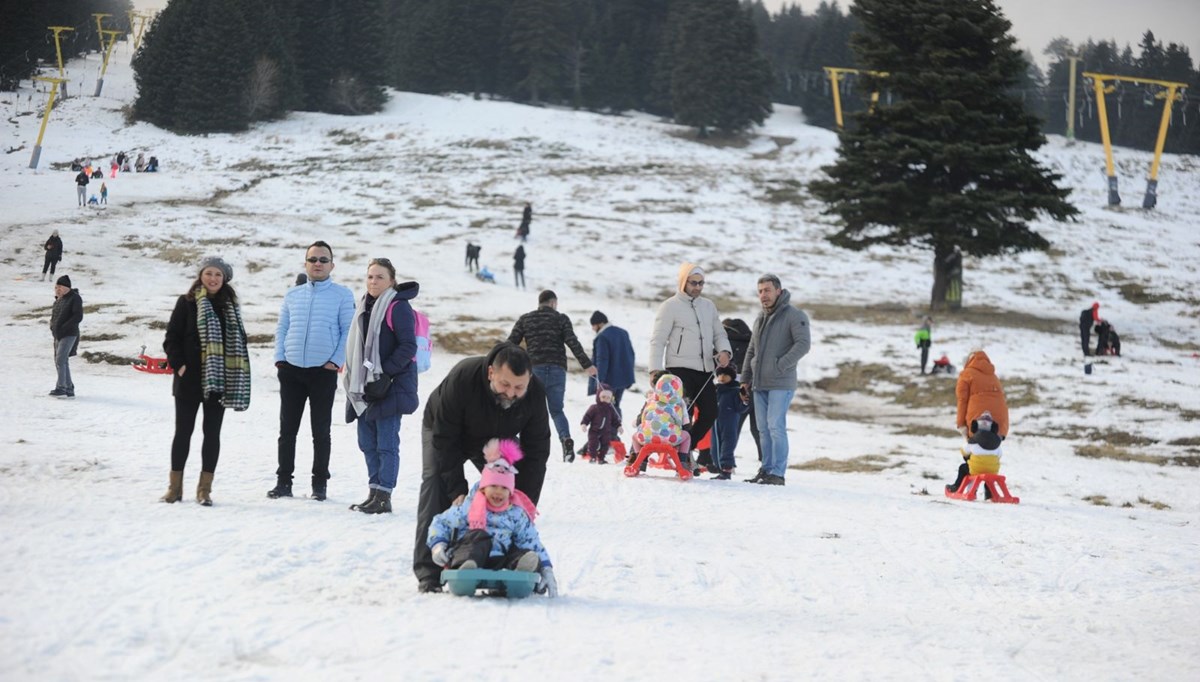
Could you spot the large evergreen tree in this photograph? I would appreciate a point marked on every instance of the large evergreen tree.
(948, 164)
(719, 79)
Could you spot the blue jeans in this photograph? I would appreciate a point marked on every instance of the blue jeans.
(379, 441)
(554, 379)
(771, 409)
(62, 356)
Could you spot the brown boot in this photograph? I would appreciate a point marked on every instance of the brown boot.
(175, 489)
(204, 489)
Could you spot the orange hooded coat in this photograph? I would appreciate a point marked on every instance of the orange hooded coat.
(978, 391)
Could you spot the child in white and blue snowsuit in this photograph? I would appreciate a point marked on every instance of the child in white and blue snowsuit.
(730, 408)
(494, 527)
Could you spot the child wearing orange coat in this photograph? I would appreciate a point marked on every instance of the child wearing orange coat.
(978, 392)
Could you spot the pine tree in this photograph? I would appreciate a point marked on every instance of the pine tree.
(947, 165)
(538, 38)
(718, 77)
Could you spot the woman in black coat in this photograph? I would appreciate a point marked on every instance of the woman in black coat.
(208, 315)
(54, 251)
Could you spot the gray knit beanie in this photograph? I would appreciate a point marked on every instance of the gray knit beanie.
(217, 262)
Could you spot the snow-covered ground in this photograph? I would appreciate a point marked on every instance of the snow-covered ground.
(867, 575)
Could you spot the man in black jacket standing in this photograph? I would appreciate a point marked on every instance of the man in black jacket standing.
(64, 327)
(481, 398)
(545, 331)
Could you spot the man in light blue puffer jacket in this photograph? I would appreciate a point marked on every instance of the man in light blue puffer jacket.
(310, 348)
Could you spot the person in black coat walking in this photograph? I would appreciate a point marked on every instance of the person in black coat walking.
(1087, 318)
(54, 252)
(81, 183)
(526, 220)
(519, 266)
(64, 327)
(205, 319)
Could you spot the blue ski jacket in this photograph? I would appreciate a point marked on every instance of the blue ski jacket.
(313, 324)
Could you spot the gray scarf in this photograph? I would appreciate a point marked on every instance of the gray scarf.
(362, 355)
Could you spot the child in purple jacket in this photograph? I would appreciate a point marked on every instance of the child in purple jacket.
(603, 423)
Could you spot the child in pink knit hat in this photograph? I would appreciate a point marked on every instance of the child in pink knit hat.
(494, 527)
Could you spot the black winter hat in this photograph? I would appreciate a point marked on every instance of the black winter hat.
(598, 318)
(64, 281)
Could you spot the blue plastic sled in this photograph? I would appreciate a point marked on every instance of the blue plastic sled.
(512, 584)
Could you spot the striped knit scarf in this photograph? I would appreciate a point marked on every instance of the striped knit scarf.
(223, 356)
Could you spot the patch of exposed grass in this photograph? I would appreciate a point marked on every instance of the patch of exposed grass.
(863, 464)
(936, 392)
(260, 339)
(100, 337)
(1189, 346)
(855, 377)
(33, 315)
(1184, 414)
(1098, 500)
(166, 250)
(1020, 392)
(1194, 440)
(469, 341)
(158, 324)
(93, 308)
(923, 430)
(106, 358)
(891, 313)
(785, 192)
(1120, 454)
(1154, 504)
(255, 266)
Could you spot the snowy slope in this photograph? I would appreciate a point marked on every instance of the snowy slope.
(837, 575)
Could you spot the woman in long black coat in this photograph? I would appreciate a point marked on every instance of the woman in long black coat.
(206, 347)
(54, 251)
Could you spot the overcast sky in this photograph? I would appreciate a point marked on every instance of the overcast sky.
(1035, 22)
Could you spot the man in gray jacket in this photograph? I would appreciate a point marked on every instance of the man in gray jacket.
(779, 339)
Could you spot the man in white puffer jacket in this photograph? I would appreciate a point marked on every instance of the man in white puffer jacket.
(690, 342)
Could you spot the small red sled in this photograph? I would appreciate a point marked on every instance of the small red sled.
(994, 483)
(659, 455)
(152, 365)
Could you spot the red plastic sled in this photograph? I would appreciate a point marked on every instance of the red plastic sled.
(152, 365)
(659, 455)
(994, 483)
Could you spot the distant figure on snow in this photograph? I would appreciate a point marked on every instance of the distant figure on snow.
(104, 193)
(924, 340)
(81, 183)
(140, 164)
(526, 219)
(1087, 318)
(472, 261)
(519, 266)
(54, 252)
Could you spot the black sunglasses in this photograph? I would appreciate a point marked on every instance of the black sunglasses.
(697, 283)
(315, 259)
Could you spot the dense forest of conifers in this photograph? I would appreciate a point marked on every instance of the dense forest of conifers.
(208, 65)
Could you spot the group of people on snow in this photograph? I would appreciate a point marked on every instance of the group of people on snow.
(86, 172)
(707, 376)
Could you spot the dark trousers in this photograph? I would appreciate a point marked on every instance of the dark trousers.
(317, 386)
(49, 264)
(701, 394)
(1085, 336)
(519, 278)
(597, 443)
(185, 424)
(476, 545)
(434, 497)
(924, 346)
